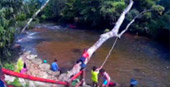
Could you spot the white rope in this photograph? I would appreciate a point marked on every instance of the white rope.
(109, 52)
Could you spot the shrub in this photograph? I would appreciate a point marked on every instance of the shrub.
(43, 17)
(21, 17)
(9, 66)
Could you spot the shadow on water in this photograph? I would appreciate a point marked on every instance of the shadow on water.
(133, 57)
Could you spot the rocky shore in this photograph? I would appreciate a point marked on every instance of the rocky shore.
(37, 68)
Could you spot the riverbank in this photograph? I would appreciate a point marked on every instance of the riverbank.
(35, 68)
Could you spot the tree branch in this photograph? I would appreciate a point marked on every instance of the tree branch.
(112, 33)
(38, 11)
(132, 21)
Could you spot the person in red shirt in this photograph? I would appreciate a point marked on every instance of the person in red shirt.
(85, 54)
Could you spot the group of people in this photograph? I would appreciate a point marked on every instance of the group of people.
(96, 73)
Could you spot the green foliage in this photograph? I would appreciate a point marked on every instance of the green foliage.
(6, 36)
(53, 9)
(106, 12)
(158, 8)
(151, 23)
(106, 30)
(21, 17)
(159, 23)
(112, 9)
(21, 24)
(140, 5)
(9, 66)
(36, 20)
(6, 40)
(8, 12)
(147, 16)
(132, 14)
(84, 11)
(31, 7)
(16, 83)
(43, 17)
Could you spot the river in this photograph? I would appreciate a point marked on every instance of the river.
(133, 57)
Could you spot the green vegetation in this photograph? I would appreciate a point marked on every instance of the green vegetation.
(9, 66)
(6, 32)
(12, 14)
(16, 83)
(102, 14)
(94, 14)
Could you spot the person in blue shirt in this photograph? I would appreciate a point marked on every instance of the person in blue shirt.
(54, 66)
(133, 82)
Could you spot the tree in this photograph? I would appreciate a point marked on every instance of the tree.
(104, 37)
(86, 11)
(6, 34)
(112, 9)
(53, 9)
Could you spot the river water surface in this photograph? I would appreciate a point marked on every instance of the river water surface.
(133, 57)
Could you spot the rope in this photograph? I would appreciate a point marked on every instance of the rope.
(109, 52)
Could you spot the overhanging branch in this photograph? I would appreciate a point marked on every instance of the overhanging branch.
(132, 21)
(112, 33)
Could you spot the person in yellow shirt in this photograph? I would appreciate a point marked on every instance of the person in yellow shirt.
(94, 74)
(20, 64)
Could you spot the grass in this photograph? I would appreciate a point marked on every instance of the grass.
(9, 66)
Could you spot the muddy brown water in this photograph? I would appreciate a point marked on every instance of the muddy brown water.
(133, 57)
